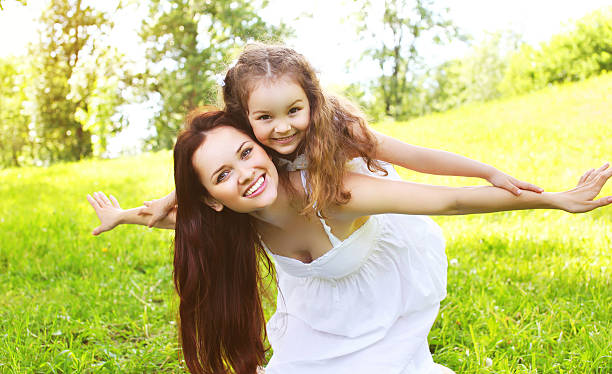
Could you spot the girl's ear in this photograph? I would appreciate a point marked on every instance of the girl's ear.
(213, 203)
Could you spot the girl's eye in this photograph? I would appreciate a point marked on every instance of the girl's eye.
(264, 117)
(293, 110)
(246, 152)
(221, 177)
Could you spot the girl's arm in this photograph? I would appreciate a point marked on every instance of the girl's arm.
(110, 214)
(432, 161)
(370, 195)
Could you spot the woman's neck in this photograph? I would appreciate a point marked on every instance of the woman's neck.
(279, 212)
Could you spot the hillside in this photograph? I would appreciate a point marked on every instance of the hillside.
(527, 291)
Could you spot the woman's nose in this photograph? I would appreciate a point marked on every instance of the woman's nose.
(246, 175)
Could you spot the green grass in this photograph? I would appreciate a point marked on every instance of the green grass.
(528, 292)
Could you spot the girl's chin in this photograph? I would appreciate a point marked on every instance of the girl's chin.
(288, 150)
(285, 150)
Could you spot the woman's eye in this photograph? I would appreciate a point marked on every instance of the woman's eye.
(221, 177)
(293, 110)
(264, 117)
(246, 152)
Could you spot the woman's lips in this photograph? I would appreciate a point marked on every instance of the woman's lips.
(262, 185)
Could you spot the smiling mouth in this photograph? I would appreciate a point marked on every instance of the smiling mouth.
(256, 188)
(285, 139)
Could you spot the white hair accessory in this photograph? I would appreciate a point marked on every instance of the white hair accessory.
(220, 79)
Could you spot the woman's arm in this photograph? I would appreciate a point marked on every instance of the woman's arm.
(111, 214)
(432, 161)
(371, 195)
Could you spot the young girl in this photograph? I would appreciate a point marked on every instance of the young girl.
(277, 92)
(357, 293)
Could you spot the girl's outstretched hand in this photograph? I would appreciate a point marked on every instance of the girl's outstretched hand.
(580, 198)
(108, 211)
(507, 182)
(158, 209)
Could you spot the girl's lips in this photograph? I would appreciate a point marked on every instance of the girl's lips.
(285, 140)
(260, 189)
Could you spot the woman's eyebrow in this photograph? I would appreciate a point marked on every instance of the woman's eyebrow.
(241, 145)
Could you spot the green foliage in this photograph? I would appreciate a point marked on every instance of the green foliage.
(406, 24)
(189, 43)
(474, 77)
(14, 120)
(23, 2)
(77, 86)
(528, 291)
(583, 51)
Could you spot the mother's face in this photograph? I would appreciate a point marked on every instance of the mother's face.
(237, 173)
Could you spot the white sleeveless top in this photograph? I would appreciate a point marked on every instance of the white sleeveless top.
(365, 306)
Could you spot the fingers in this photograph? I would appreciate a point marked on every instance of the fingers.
(93, 202)
(153, 221)
(115, 202)
(586, 176)
(143, 211)
(602, 175)
(104, 198)
(96, 231)
(602, 202)
(99, 199)
(507, 185)
(603, 167)
(527, 186)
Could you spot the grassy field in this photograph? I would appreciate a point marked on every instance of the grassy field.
(528, 292)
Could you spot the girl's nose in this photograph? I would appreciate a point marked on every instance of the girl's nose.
(282, 127)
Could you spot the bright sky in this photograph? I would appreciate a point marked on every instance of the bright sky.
(325, 39)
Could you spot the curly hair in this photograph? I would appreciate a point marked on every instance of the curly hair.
(337, 131)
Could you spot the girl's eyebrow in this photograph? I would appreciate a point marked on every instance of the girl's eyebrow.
(223, 166)
(266, 111)
(295, 102)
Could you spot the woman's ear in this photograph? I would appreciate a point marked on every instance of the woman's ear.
(213, 203)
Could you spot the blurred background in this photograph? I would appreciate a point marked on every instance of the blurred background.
(93, 93)
(84, 78)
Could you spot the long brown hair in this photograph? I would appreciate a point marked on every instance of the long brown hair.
(217, 268)
(337, 131)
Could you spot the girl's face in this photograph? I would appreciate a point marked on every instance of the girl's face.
(279, 113)
(237, 173)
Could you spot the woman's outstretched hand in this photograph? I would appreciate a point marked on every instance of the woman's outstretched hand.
(108, 211)
(580, 198)
(158, 209)
(507, 182)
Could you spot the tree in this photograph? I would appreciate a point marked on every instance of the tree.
(189, 42)
(583, 50)
(14, 120)
(475, 77)
(19, 1)
(77, 90)
(404, 25)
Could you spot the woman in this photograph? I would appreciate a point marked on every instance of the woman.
(358, 291)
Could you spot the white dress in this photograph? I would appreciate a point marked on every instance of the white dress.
(365, 306)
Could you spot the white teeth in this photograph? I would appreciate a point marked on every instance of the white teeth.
(255, 186)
